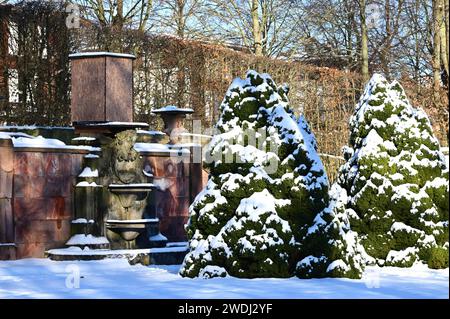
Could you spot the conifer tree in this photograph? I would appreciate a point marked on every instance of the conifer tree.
(265, 188)
(395, 180)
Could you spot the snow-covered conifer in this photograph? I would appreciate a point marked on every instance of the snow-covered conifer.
(335, 249)
(267, 186)
(395, 181)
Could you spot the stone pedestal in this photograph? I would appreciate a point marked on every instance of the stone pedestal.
(173, 117)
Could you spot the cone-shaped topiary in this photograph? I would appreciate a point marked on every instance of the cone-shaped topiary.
(335, 249)
(266, 187)
(395, 180)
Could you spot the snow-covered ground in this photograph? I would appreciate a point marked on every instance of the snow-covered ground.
(42, 278)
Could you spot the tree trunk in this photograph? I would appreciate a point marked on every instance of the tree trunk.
(180, 19)
(385, 51)
(119, 21)
(256, 29)
(145, 14)
(436, 59)
(364, 42)
(443, 37)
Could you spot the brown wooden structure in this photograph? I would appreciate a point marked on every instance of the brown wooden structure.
(102, 87)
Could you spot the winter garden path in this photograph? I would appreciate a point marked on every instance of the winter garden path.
(42, 278)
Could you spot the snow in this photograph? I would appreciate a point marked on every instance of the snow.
(398, 226)
(150, 132)
(395, 256)
(84, 138)
(82, 239)
(112, 278)
(7, 135)
(4, 136)
(196, 135)
(131, 221)
(113, 253)
(131, 186)
(445, 151)
(116, 123)
(172, 108)
(212, 271)
(49, 143)
(82, 221)
(22, 127)
(147, 173)
(177, 244)
(91, 156)
(88, 172)
(340, 264)
(102, 53)
(87, 184)
(160, 148)
(159, 237)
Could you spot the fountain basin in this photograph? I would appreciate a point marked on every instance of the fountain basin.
(129, 229)
(139, 188)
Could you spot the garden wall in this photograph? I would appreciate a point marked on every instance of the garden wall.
(36, 199)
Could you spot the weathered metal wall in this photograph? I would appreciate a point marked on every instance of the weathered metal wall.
(36, 200)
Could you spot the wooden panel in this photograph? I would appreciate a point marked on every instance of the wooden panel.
(173, 228)
(51, 208)
(42, 231)
(119, 89)
(29, 164)
(57, 164)
(29, 187)
(77, 164)
(30, 250)
(88, 89)
(7, 252)
(6, 183)
(6, 221)
(196, 179)
(6, 159)
(35, 250)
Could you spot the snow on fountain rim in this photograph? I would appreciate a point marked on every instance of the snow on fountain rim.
(87, 184)
(150, 132)
(136, 185)
(89, 172)
(42, 142)
(172, 108)
(82, 239)
(160, 148)
(82, 221)
(132, 221)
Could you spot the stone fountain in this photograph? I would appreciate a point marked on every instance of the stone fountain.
(128, 220)
(115, 214)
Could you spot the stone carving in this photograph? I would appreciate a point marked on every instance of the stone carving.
(126, 163)
(127, 190)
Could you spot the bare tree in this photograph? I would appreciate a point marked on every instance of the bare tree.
(180, 17)
(265, 27)
(364, 41)
(443, 34)
(118, 13)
